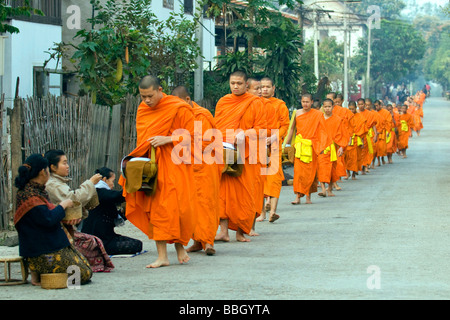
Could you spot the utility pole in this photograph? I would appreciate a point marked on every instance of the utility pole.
(368, 60)
(198, 73)
(316, 46)
(345, 103)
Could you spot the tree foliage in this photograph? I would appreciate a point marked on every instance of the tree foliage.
(397, 48)
(6, 12)
(129, 42)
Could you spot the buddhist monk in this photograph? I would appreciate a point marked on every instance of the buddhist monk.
(345, 114)
(238, 116)
(383, 129)
(406, 123)
(267, 116)
(327, 171)
(364, 106)
(311, 139)
(391, 137)
(358, 132)
(168, 215)
(274, 180)
(418, 116)
(207, 177)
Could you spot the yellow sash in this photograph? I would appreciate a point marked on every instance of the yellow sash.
(404, 125)
(370, 133)
(359, 141)
(331, 149)
(303, 149)
(369, 141)
(388, 137)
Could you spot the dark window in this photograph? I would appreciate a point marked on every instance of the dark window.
(189, 6)
(168, 4)
(50, 8)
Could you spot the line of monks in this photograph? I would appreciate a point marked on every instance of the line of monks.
(204, 200)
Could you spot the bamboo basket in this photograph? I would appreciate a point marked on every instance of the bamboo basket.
(74, 212)
(54, 280)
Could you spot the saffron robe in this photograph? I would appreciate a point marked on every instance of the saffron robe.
(207, 179)
(358, 132)
(391, 141)
(168, 214)
(311, 126)
(345, 114)
(338, 133)
(383, 128)
(371, 121)
(273, 181)
(237, 194)
(406, 121)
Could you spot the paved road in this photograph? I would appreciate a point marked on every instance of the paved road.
(384, 236)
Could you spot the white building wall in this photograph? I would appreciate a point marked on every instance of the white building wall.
(23, 52)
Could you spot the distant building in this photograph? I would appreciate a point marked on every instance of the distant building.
(24, 53)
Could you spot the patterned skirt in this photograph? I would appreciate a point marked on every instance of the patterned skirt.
(59, 261)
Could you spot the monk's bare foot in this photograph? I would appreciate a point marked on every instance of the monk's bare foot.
(240, 236)
(296, 201)
(336, 186)
(209, 250)
(222, 236)
(253, 233)
(197, 246)
(267, 206)
(330, 194)
(273, 217)
(159, 263)
(308, 200)
(262, 217)
(181, 253)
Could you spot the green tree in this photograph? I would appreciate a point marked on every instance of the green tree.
(396, 52)
(6, 12)
(128, 43)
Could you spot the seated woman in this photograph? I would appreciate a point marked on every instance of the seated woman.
(42, 241)
(58, 189)
(101, 219)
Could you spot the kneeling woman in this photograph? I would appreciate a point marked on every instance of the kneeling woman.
(42, 240)
(100, 221)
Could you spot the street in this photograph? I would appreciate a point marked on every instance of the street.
(384, 236)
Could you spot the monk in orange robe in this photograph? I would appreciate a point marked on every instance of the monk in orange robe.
(391, 137)
(311, 139)
(406, 123)
(364, 107)
(358, 132)
(274, 178)
(238, 116)
(327, 161)
(207, 177)
(383, 128)
(268, 117)
(167, 216)
(418, 116)
(345, 114)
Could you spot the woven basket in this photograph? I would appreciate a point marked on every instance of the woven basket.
(54, 280)
(74, 212)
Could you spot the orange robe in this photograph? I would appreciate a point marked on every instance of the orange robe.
(273, 182)
(268, 117)
(169, 214)
(353, 153)
(345, 114)
(207, 178)
(327, 169)
(403, 136)
(237, 194)
(311, 126)
(371, 121)
(417, 116)
(391, 146)
(385, 127)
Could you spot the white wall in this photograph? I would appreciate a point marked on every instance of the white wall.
(26, 50)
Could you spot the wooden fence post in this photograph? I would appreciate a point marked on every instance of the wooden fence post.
(17, 152)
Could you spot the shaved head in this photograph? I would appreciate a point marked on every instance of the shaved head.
(181, 91)
(149, 82)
